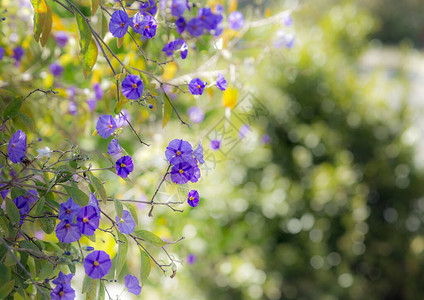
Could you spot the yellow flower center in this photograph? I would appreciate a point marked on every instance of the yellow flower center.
(123, 165)
(136, 25)
(13, 146)
(147, 27)
(122, 24)
(61, 293)
(67, 225)
(198, 86)
(181, 171)
(178, 152)
(68, 211)
(134, 85)
(95, 263)
(191, 198)
(85, 220)
(110, 126)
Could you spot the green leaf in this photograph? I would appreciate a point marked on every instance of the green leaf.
(6, 289)
(12, 108)
(9, 261)
(133, 212)
(122, 254)
(146, 266)
(23, 120)
(87, 284)
(16, 193)
(167, 110)
(12, 211)
(118, 207)
(72, 267)
(4, 231)
(98, 187)
(40, 206)
(84, 33)
(120, 105)
(105, 25)
(150, 237)
(47, 225)
(47, 28)
(92, 292)
(4, 273)
(101, 295)
(77, 195)
(40, 14)
(94, 6)
(46, 271)
(89, 58)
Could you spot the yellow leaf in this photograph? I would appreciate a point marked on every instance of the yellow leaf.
(119, 42)
(40, 12)
(229, 98)
(89, 58)
(47, 28)
(232, 6)
(94, 6)
(169, 71)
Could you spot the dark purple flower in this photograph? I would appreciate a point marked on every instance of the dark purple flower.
(132, 87)
(114, 148)
(181, 24)
(88, 220)
(106, 125)
(2, 50)
(132, 284)
(235, 20)
(61, 38)
(182, 173)
(31, 196)
(21, 203)
(181, 46)
(195, 27)
(168, 48)
(68, 210)
(195, 114)
(17, 146)
(56, 69)
(97, 264)
(126, 223)
(94, 203)
(244, 130)
(91, 103)
(191, 259)
(178, 7)
(193, 198)
(178, 151)
(196, 86)
(149, 7)
(63, 279)
(98, 91)
(62, 292)
(198, 153)
(3, 193)
(17, 53)
(148, 26)
(221, 83)
(119, 23)
(215, 144)
(209, 20)
(67, 232)
(136, 22)
(124, 166)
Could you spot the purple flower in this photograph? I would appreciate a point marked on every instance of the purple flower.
(61, 38)
(106, 125)
(71, 92)
(148, 26)
(193, 198)
(178, 7)
(181, 24)
(2, 50)
(3, 193)
(88, 220)
(149, 7)
(91, 103)
(182, 173)
(67, 232)
(17, 53)
(62, 292)
(181, 46)
(195, 27)
(287, 20)
(119, 23)
(178, 151)
(98, 91)
(244, 130)
(195, 114)
(132, 87)
(219, 9)
(132, 284)
(63, 279)
(191, 259)
(21, 203)
(221, 83)
(31, 196)
(126, 224)
(168, 48)
(68, 210)
(124, 166)
(72, 107)
(196, 86)
(114, 148)
(94, 203)
(235, 20)
(215, 144)
(198, 153)
(265, 139)
(209, 20)
(17, 146)
(136, 22)
(284, 40)
(97, 264)
(56, 69)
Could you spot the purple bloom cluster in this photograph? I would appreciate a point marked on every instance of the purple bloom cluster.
(144, 25)
(63, 289)
(148, 7)
(23, 204)
(206, 20)
(184, 161)
(142, 22)
(179, 45)
(87, 220)
(17, 147)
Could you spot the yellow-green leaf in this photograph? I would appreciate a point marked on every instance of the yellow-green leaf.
(118, 207)
(89, 58)
(146, 266)
(87, 284)
(94, 6)
(12, 108)
(105, 25)
(84, 33)
(12, 211)
(98, 187)
(122, 254)
(150, 237)
(120, 105)
(120, 42)
(40, 12)
(167, 110)
(6, 289)
(77, 195)
(47, 28)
